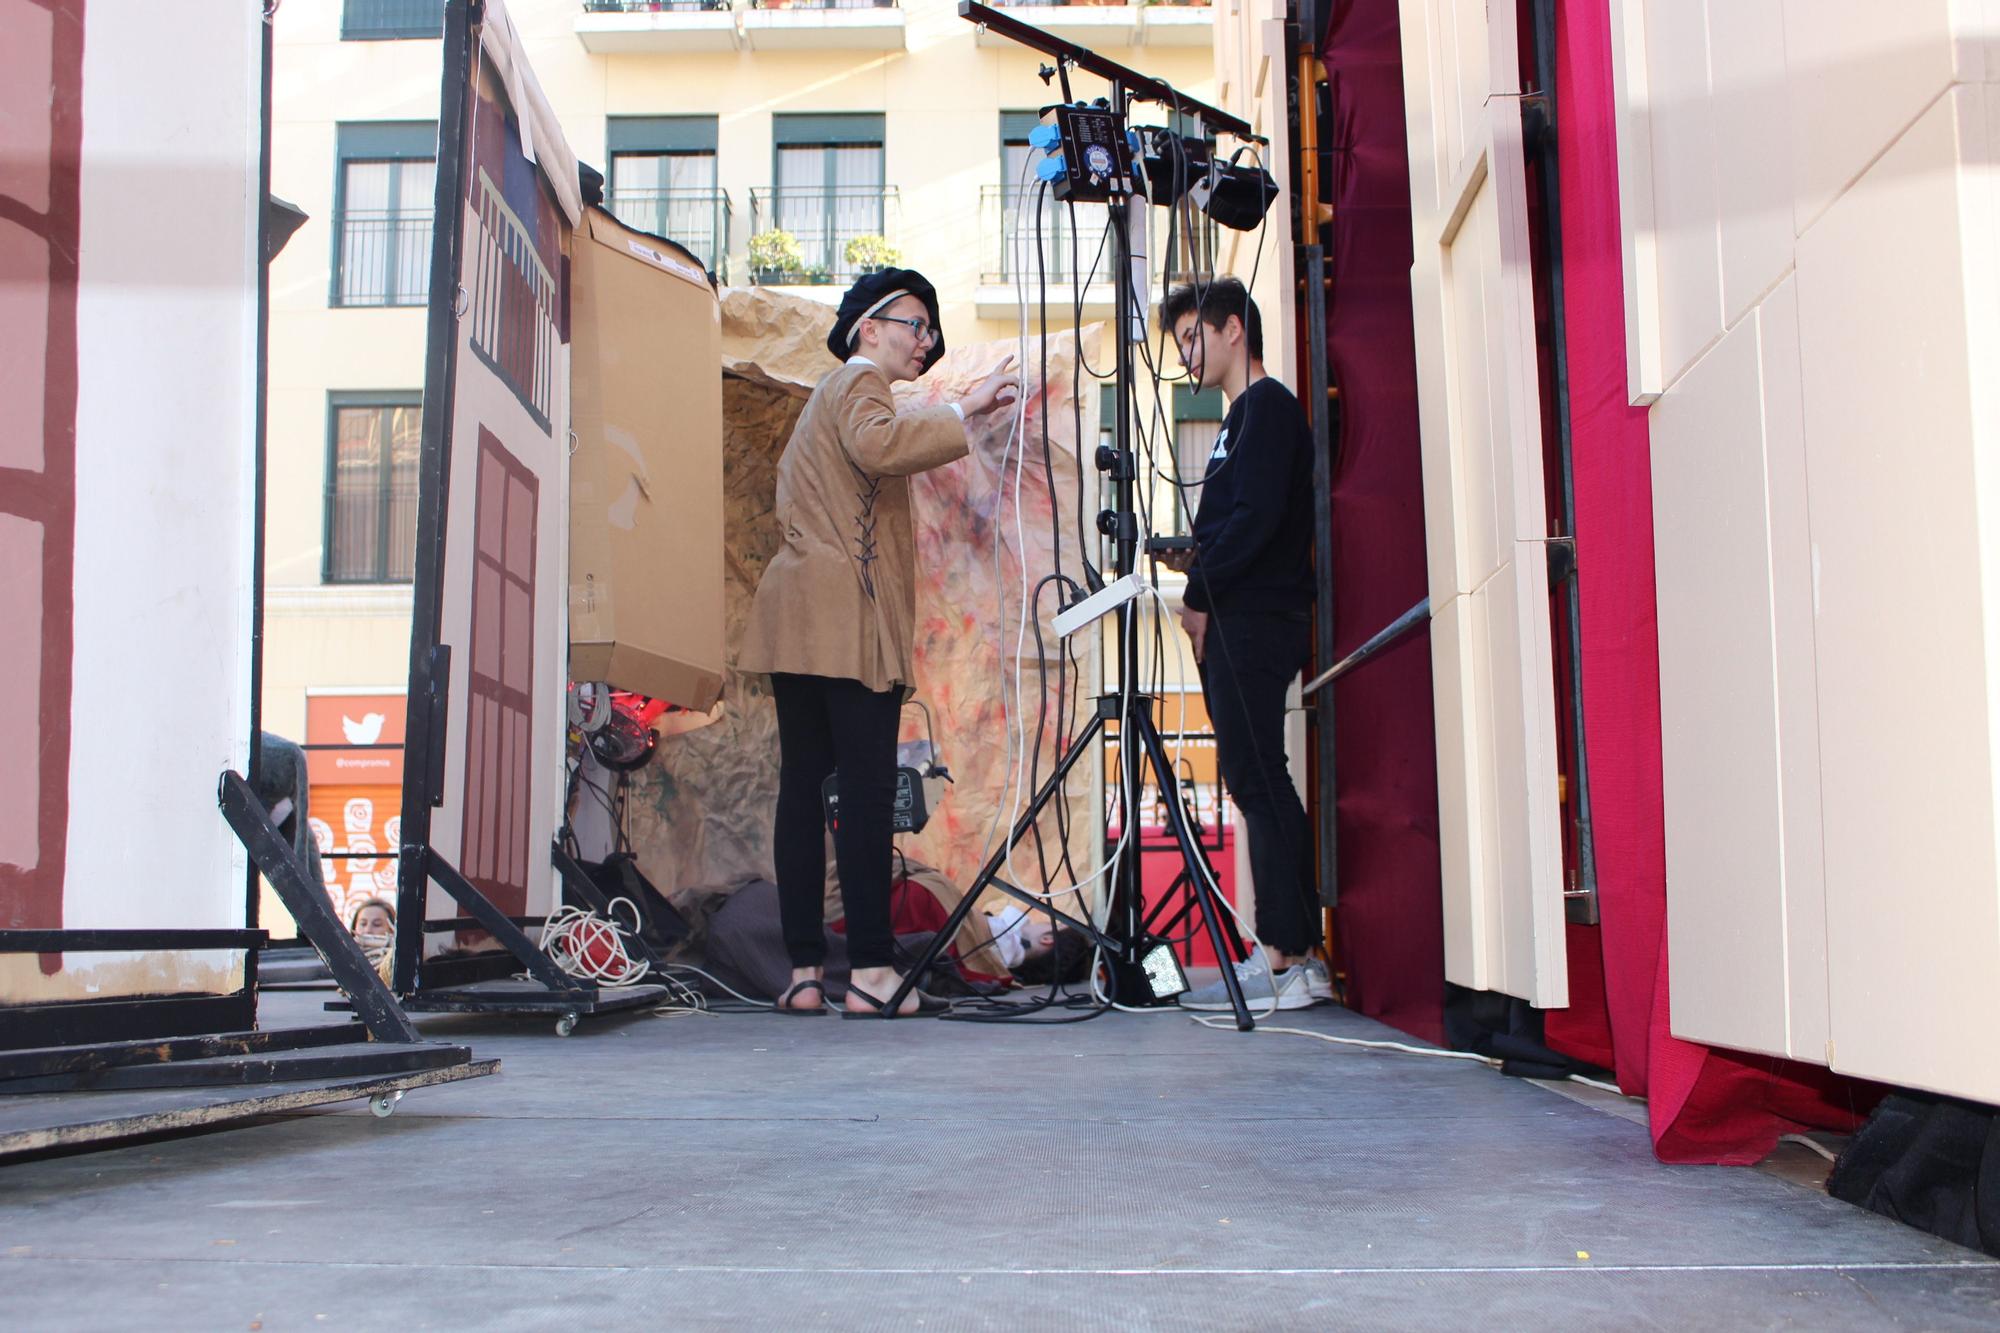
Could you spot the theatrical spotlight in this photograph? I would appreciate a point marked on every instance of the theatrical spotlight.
(1234, 193)
(1170, 162)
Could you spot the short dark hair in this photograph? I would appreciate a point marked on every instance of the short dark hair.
(1218, 301)
(1066, 960)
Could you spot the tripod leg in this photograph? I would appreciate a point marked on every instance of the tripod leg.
(1197, 870)
(990, 872)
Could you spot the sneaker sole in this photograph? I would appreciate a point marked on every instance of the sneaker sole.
(1293, 1001)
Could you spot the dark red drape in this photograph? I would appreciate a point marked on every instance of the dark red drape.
(1706, 1105)
(1385, 765)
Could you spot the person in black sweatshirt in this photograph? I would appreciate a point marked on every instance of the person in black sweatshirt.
(1248, 616)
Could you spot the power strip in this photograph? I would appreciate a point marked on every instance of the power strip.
(1100, 603)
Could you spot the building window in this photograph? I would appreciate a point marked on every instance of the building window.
(371, 487)
(382, 213)
(663, 181)
(381, 20)
(829, 188)
(1197, 421)
(1070, 238)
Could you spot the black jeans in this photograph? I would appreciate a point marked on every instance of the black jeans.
(827, 726)
(1249, 661)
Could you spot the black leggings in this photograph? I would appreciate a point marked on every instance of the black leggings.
(1248, 664)
(827, 726)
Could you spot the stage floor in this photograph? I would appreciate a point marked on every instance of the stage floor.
(1125, 1173)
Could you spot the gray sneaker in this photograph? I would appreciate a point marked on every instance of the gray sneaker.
(1297, 987)
(1318, 984)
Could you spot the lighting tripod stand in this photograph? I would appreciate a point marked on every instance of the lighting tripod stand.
(1131, 951)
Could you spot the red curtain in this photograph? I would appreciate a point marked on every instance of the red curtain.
(1706, 1105)
(1389, 921)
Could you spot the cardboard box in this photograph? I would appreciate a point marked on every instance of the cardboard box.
(645, 544)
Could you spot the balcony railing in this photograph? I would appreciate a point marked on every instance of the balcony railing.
(381, 20)
(699, 219)
(1008, 238)
(385, 257)
(696, 6)
(652, 6)
(825, 224)
(1007, 227)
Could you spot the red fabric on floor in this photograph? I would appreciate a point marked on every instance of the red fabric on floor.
(1390, 922)
(1706, 1105)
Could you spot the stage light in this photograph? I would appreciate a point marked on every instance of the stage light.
(1235, 194)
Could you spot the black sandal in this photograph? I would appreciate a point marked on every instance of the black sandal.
(784, 1005)
(928, 1006)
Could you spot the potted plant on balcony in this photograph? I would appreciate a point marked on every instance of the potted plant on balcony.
(775, 257)
(871, 254)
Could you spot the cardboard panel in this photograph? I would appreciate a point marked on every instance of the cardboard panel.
(1463, 844)
(1794, 641)
(500, 595)
(142, 531)
(1718, 703)
(1482, 484)
(1480, 415)
(1682, 126)
(1904, 506)
(646, 552)
(1857, 73)
(1528, 930)
(1753, 180)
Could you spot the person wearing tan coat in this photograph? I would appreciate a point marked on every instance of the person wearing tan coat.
(833, 623)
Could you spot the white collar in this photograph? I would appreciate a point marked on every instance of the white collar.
(862, 359)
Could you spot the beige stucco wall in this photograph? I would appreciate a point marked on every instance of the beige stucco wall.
(940, 98)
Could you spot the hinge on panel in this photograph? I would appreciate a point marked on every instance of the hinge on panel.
(1562, 559)
(1579, 902)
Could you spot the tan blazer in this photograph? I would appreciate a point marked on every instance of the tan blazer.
(840, 597)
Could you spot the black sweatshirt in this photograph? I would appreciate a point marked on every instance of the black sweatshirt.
(1253, 532)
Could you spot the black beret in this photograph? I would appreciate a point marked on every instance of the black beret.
(868, 292)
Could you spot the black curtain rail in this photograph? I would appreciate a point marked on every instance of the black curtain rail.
(136, 941)
(1142, 86)
(1394, 630)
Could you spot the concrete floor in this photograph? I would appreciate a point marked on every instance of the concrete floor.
(1126, 1173)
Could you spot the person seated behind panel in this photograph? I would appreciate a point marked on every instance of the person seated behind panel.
(373, 925)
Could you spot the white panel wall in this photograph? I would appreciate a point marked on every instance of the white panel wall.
(1479, 412)
(1905, 487)
(1826, 305)
(166, 324)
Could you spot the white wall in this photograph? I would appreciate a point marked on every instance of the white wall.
(165, 411)
(1485, 519)
(1810, 216)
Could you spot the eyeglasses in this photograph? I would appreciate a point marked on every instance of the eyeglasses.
(921, 328)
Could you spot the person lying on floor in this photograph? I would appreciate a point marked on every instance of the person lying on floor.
(746, 950)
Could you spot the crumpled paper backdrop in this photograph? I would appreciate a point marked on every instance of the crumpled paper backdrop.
(700, 814)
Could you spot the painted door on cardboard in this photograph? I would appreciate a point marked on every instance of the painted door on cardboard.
(493, 579)
(1484, 502)
(41, 114)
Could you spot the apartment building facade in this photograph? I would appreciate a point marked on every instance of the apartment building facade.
(786, 144)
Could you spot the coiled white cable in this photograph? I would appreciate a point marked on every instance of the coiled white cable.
(592, 947)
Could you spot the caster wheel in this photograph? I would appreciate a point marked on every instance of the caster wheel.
(565, 1025)
(383, 1104)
